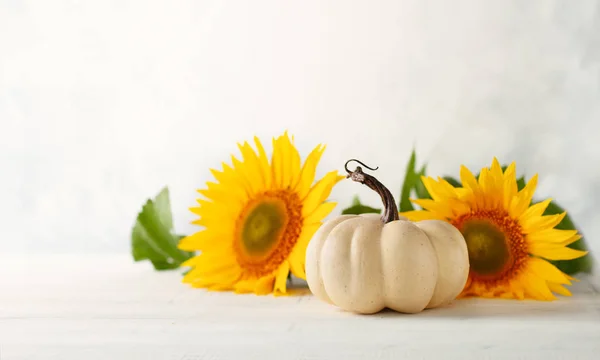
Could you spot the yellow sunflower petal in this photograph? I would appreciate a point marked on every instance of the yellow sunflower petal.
(308, 171)
(307, 233)
(437, 191)
(209, 274)
(204, 240)
(191, 243)
(468, 180)
(534, 211)
(209, 261)
(494, 185)
(320, 192)
(228, 210)
(547, 271)
(254, 169)
(441, 209)
(486, 183)
(251, 183)
(298, 254)
(223, 193)
(263, 163)
(278, 163)
(202, 283)
(245, 286)
(190, 262)
(463, 193)
(510, 188)
(459, 207)
(281, 277)
(211, 221)
(552, 252)
(286, 161)
(523, 198)
(297, 264)
(227, 277)
(538, 223)
(536, 288)
(264, 285)
(559, 289)
(215, 192)
(219, 287)
(517, 291)
(570, 240)
(553, 236)
(293, 164)
(448, 188)
(320, 212)
(230, 178)
(496, 173)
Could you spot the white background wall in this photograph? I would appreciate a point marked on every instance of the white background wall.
(104, 102)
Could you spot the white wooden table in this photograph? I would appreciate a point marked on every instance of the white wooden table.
(107, 307)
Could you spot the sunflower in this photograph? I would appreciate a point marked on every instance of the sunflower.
(508, 238)
(258, 218)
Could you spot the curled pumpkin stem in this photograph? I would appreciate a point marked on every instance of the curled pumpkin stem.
(390, 210)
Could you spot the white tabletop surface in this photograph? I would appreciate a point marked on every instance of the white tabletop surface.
(107, 307)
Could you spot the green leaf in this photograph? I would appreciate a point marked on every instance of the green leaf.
(521, 183)
(420, 188)
(583, 264)
(358, 208)
(409, 184)
(153, 238)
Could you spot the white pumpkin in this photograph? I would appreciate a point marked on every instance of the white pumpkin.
(365, 263)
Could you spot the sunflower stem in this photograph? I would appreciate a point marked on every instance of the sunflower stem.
(390, 212)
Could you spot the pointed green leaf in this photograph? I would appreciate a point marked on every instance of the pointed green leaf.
(420, 188)
(358, 208)
(521, 183)
(409, 184)
(153, 238)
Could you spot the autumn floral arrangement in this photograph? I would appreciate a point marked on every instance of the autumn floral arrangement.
(264, 218)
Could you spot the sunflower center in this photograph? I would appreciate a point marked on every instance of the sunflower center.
(267, 230)
(495, 242)
(263, 226)
(488, 249)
